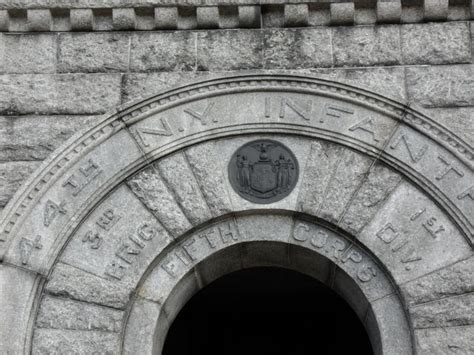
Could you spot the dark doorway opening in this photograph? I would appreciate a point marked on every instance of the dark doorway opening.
(266, 311)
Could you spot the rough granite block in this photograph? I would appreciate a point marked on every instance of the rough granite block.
(297, 48)
(12, 175)
(366, 45)
(54, 341)
(27, 53)
(436, 43)
(456, 279)
(443, 341)
(93, 52)
(35, 137)
(446, 312)
(163, 51)
(230, 50)
(59, 94)
(441, 86)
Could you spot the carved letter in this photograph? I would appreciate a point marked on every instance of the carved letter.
(115, 270)
(410, 257)
(108, 220)
(366, 273)
(51, 211)
(415, 156)
(93, 238)
(79, 180)
(303, 113)
(27, 246)
(202, 117)
(469, 192)
(165, 131)
(296, 235)
(228, 231)
(208, 236)
(146, 232)
(319, 240)
(335, 111)
(448, 167)
(366, 125)
(388, 233)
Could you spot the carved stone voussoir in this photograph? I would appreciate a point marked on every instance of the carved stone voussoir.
(163, 196)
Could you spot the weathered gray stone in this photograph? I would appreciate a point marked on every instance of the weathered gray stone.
(457, 119)
(202, 159)
(12, 175)
(17, 294)
(452, 280)
(180, 179)
(53, 341)
(342, 13)
(441, 86)
(442, 341)
(35, 137)
(384, 81)
(152, 191)
(27, 53)
(320, 165)
(143, 85)
(350, 258)
(61, 313)
(118, 240)
(141, 325)
(436, 43)
(446, 312)
(378, 185)
(297, 48)
(93, 52)
(366, 45)
(71, 282)
(346, 178)
(392, 329)
(59, 94)
(163, 51)
(412, 236)
(230, 50)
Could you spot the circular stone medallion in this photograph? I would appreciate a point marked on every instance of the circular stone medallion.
(263, 171)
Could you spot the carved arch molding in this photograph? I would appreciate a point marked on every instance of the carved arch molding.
(129, 219)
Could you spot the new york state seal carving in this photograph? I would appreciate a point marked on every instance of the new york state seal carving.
(263, 171)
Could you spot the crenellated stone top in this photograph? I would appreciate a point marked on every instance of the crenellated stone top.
(126, 15)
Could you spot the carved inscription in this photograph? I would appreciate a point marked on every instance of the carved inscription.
(414, 155)
(128, 251)
(335, 248)
(302, 110)
(79, 180)
(430, 223)
(335, 111)
(201, 117)
(368, 126)
(448, 168)
(108, 219)
(27, 247)
(51, 211)
(164, 131)
(390, 235)
(467, 193)
(185, 254)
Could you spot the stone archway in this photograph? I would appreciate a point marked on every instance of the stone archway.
(83, 240)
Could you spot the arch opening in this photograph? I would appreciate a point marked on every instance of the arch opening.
(266, 310)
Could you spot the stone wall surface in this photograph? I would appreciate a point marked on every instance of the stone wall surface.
(55, 83)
